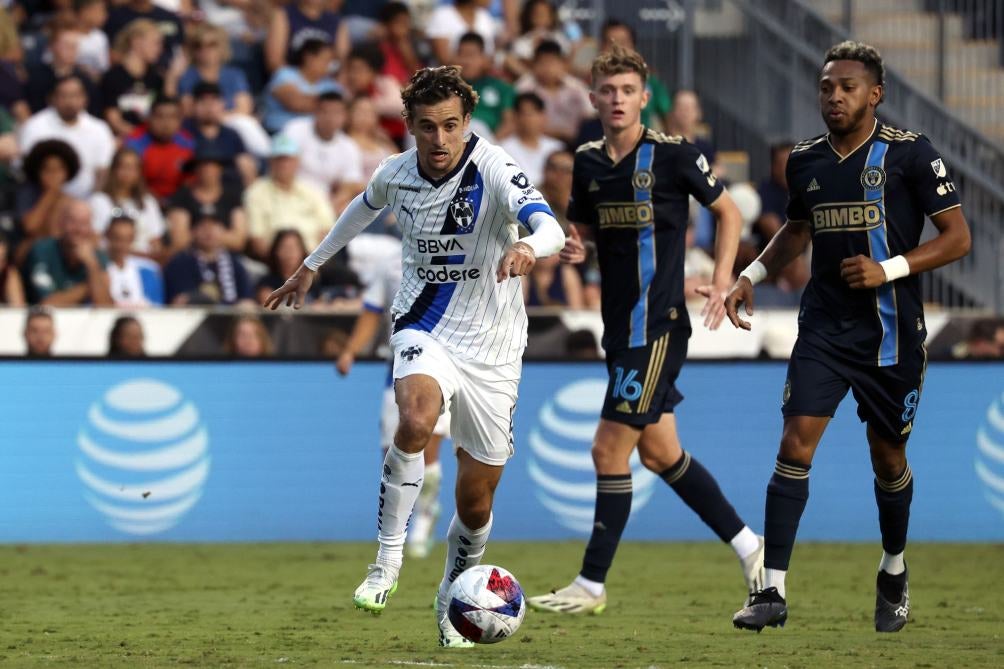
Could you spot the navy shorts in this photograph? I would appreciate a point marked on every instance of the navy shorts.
(642, 383)
(887, 397)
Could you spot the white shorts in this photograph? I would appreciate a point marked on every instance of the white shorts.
(389, 419)
(480, 398)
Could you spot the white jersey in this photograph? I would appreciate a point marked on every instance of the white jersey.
(455, 231)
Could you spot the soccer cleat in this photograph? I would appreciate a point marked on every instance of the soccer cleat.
(767, 608)
(421, 535)
(448, 636)
(891, 616)
(571, 599)
(373, 593)
(753, 571)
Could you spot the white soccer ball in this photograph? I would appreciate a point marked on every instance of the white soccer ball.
(486, 604)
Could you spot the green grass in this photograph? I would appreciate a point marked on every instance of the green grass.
(290, 604)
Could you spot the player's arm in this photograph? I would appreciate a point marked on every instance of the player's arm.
(363, 332)
(580, 234)
(730, 225)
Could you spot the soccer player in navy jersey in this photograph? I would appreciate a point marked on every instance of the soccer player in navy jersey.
(630, 193)
(860, 194)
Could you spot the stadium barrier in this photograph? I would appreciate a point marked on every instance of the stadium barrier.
(98, 451)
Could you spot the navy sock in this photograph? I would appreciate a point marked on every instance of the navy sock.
(613, 506)
(893, 499)
(787, 493)
(698, 489)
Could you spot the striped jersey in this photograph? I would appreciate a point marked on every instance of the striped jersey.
(455, 230)
(870, 202)
(638, 208)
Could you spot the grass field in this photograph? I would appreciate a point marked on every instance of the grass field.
(290, 604)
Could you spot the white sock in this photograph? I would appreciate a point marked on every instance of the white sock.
(399, 487)
(464, 549)
(429, 496)
(594, 588)
(745, 543)
(892, 564)
(774, 578)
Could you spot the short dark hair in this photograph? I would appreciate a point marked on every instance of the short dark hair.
(164, 101)
(863, 53)
(120, 218)
(69, 77)
(330, 96)
(43, 150)
(618, 61)
(530, 98)
(527, 10)
(612, 23)
(548, 47)
(207, 89)
(369, 53)
(472, 38)
(310, 46)
(38, 311)
(437, 84)
(391, 11)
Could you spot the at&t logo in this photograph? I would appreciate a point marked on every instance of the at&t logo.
(561, 465)
(143, 456)
(990, 453)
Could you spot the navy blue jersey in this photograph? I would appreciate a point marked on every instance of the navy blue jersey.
(871, 202)
(638, 209)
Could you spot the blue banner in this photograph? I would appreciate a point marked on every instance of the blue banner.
(117, 451)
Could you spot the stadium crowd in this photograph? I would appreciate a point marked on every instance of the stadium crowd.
(191, 152)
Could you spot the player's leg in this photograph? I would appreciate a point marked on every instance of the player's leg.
(662, 454)
(421, 534)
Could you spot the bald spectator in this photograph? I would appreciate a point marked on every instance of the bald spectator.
(39, 333)
(66, 118)
(69, 269)
(566, 98)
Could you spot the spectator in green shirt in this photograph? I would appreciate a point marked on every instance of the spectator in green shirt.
(655, 114)
(495, 97)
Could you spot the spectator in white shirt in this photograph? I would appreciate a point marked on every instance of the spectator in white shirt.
(529, 146)
(125, 194)
(66, 119)
(329, 159)
(448, 23)
(133, 281)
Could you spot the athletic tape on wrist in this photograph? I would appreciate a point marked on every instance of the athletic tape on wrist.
(755, 272)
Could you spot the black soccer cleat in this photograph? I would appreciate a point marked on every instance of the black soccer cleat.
(891, 612)
(767, 608)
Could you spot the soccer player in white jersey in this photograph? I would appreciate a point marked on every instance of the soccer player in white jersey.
(459, 321)
(382, 287)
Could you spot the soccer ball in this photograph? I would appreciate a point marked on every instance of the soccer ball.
(486, 604)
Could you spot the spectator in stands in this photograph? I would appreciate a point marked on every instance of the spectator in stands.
(207, 195)
(212, 136)
(130, 87)
(448, 23)
(985, 341)
(538, 22)
(773, 193)
(134, 281)
(125, 195)
(656, 113)
(552, 283)
(495, 97)
(556, 184)
(402, 50)
(362, 78)
(126, 338)
(566, 98)
(286, 254)
(529, 145)
(49, 167)
(11, 286)
(66, 119)
(299, 22)
(167, 23)
(12, 95)
(39, 333)
(163, 147)
(294, 89)
(8, 154)
(364, 129)
(582, 345)
(69, 269)
(248, 338)
(207, 273)
(698, 265)
(329, 159)
(60, 60)
(686, 120)
(282, 200)
(93, 50)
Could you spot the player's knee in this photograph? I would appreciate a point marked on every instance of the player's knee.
(888, 463)
(413, 430)
(607, 459)
(474, 510)
(796, 448)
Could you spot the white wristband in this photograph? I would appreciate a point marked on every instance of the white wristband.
(755, 272)
(895, 268)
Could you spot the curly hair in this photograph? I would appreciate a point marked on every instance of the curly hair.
(431, 85)
(619, 60)
(42, 151)
(863, 53)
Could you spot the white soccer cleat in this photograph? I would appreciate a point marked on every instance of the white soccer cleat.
(448, 636)
(571, 599)
(373, 593)
(753, 571)
(421, 535)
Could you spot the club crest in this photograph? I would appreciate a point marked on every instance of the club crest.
(643, 180)
(873, 177)
(463, 214)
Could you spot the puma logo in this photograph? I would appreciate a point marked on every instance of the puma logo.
(408, 211)
(413, 485)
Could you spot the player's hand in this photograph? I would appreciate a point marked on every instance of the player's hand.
(517, 261)
(574, 251)
(345, 362)
(741, 293)
(294, 291)
(714, 307)
(862, 272)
